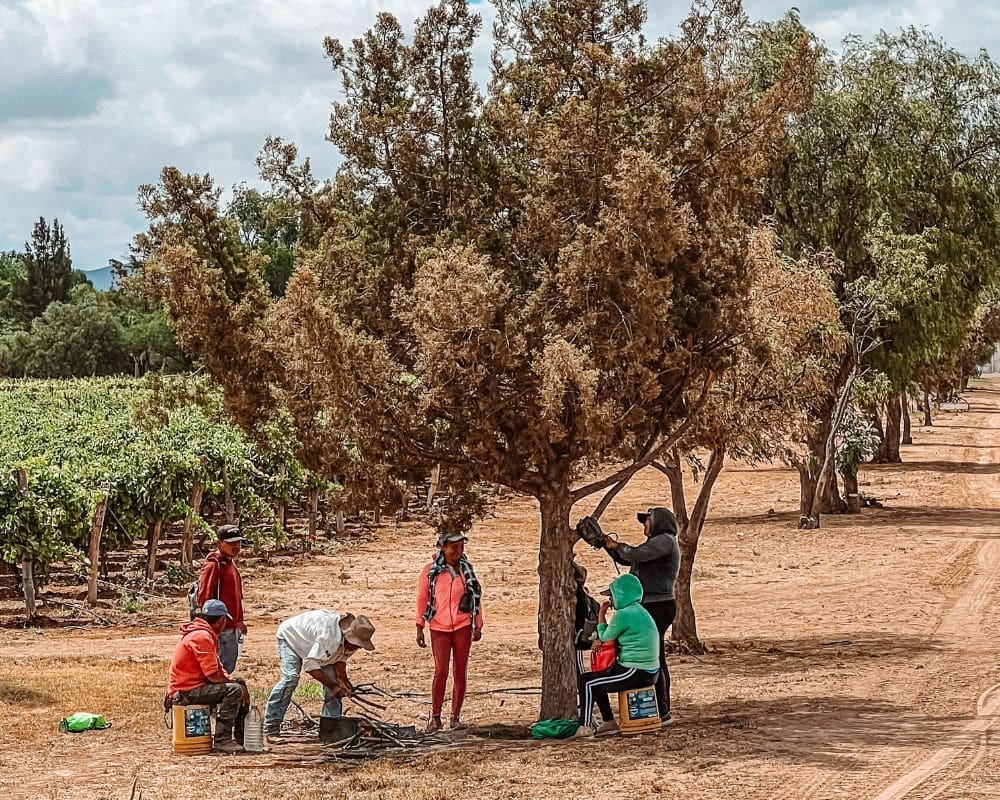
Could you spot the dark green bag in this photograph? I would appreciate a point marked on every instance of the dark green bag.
(554, 728)
(83, 721)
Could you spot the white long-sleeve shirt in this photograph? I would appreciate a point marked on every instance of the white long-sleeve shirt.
(315, 637)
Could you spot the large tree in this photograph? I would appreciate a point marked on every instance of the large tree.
(49, 273)
(521, 288)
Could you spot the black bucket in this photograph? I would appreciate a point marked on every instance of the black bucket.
(337, 729)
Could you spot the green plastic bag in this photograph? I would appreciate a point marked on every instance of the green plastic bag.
(554, 728)
(83, 721)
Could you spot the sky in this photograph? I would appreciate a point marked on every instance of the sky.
(96, 96)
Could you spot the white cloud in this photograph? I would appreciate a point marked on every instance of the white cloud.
(97, 95)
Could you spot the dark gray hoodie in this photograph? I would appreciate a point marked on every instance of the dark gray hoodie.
(656, 561)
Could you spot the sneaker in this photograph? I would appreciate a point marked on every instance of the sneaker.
(666, 721)
(434, 725)
(583, 732)
(273, 738)
(609, 728)
(229, 746)
(457, 725)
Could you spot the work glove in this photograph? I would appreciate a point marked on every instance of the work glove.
(590, 531)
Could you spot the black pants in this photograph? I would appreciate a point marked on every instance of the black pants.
(595, 686)
(663, 613)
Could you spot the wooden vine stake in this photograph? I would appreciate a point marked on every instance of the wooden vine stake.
(152, 542)
(27, 563)
(94, 552)
(187, 534)
(432, 489)
(230, 507)
(339, 520)
(279, 514)
(313, 511)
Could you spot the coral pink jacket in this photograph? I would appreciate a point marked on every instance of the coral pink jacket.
(448, 591)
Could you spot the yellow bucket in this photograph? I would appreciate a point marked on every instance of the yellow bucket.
(192, 730)
(637, 711)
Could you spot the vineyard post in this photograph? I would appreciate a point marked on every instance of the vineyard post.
(152, 541)
(27, 563)
(313, 511)
(339, 520)
(279, 513)
(94, 553)
(230, 508)
(187, 535)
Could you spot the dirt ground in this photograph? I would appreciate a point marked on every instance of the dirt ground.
(856, 661)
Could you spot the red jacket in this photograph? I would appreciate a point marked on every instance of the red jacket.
(195, 657)
(448, 593)
(220, 579)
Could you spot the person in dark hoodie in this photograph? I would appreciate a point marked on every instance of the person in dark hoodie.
(219, 579)
(637, 662)
(655, 563)
(197, 677)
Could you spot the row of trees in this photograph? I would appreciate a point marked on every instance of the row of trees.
(625, 253)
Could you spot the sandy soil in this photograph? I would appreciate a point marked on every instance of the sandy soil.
(854, 661)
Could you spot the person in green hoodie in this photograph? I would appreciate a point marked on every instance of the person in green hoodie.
(638, 661)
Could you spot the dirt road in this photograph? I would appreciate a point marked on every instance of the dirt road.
(857, 661)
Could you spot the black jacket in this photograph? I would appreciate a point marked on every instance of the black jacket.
(656, 561)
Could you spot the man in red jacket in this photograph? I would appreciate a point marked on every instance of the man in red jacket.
(219, 579)
(197, 678)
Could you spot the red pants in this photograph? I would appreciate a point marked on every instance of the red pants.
(444, 644)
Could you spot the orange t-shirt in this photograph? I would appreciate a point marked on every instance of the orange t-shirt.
(195, 657)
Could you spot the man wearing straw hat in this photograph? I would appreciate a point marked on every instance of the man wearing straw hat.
(317, 642)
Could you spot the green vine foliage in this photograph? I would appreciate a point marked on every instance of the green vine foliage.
(146, 447)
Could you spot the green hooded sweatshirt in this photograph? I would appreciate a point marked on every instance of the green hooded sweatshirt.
(632, 626)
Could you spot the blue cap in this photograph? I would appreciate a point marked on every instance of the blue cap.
(215, 608)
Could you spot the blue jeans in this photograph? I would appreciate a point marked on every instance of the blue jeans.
(281, 695)
(229, 648)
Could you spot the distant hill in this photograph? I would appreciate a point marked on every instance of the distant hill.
(103, 278)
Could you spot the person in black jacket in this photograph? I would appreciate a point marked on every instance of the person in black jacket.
(655, 563)
(585, 617)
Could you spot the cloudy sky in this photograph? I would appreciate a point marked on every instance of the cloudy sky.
(97, 95)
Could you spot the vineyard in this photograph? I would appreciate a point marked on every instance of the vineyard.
(90, 466)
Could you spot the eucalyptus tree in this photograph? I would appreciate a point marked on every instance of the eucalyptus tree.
(522, 287)
(893, 170)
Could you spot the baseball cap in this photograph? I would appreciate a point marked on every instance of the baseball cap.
(445, 538)
(230, 533)
(215, 608)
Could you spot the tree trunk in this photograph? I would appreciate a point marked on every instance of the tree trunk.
(851, 491)
(433, 487)
(888, 451)
(807, 490)
(685, 625)
(832, 502)
(228, 496)
(928, 422)
(187, 534)
(556, 593)
(152, 542)
(94, 553)
(907, 425)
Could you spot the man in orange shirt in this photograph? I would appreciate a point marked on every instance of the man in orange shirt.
(198, 678)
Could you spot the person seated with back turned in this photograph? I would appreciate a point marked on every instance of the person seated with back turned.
(637, 664)
(197, 677)
(317, 642)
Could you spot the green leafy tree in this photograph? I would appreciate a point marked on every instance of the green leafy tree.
(268, 226)
(49, 274)
(521, 287)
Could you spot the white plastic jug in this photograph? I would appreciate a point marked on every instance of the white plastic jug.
(253, 731)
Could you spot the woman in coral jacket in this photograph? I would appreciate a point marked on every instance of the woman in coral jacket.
(449, 600)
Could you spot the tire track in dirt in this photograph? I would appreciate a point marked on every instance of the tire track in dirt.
(963, 620)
